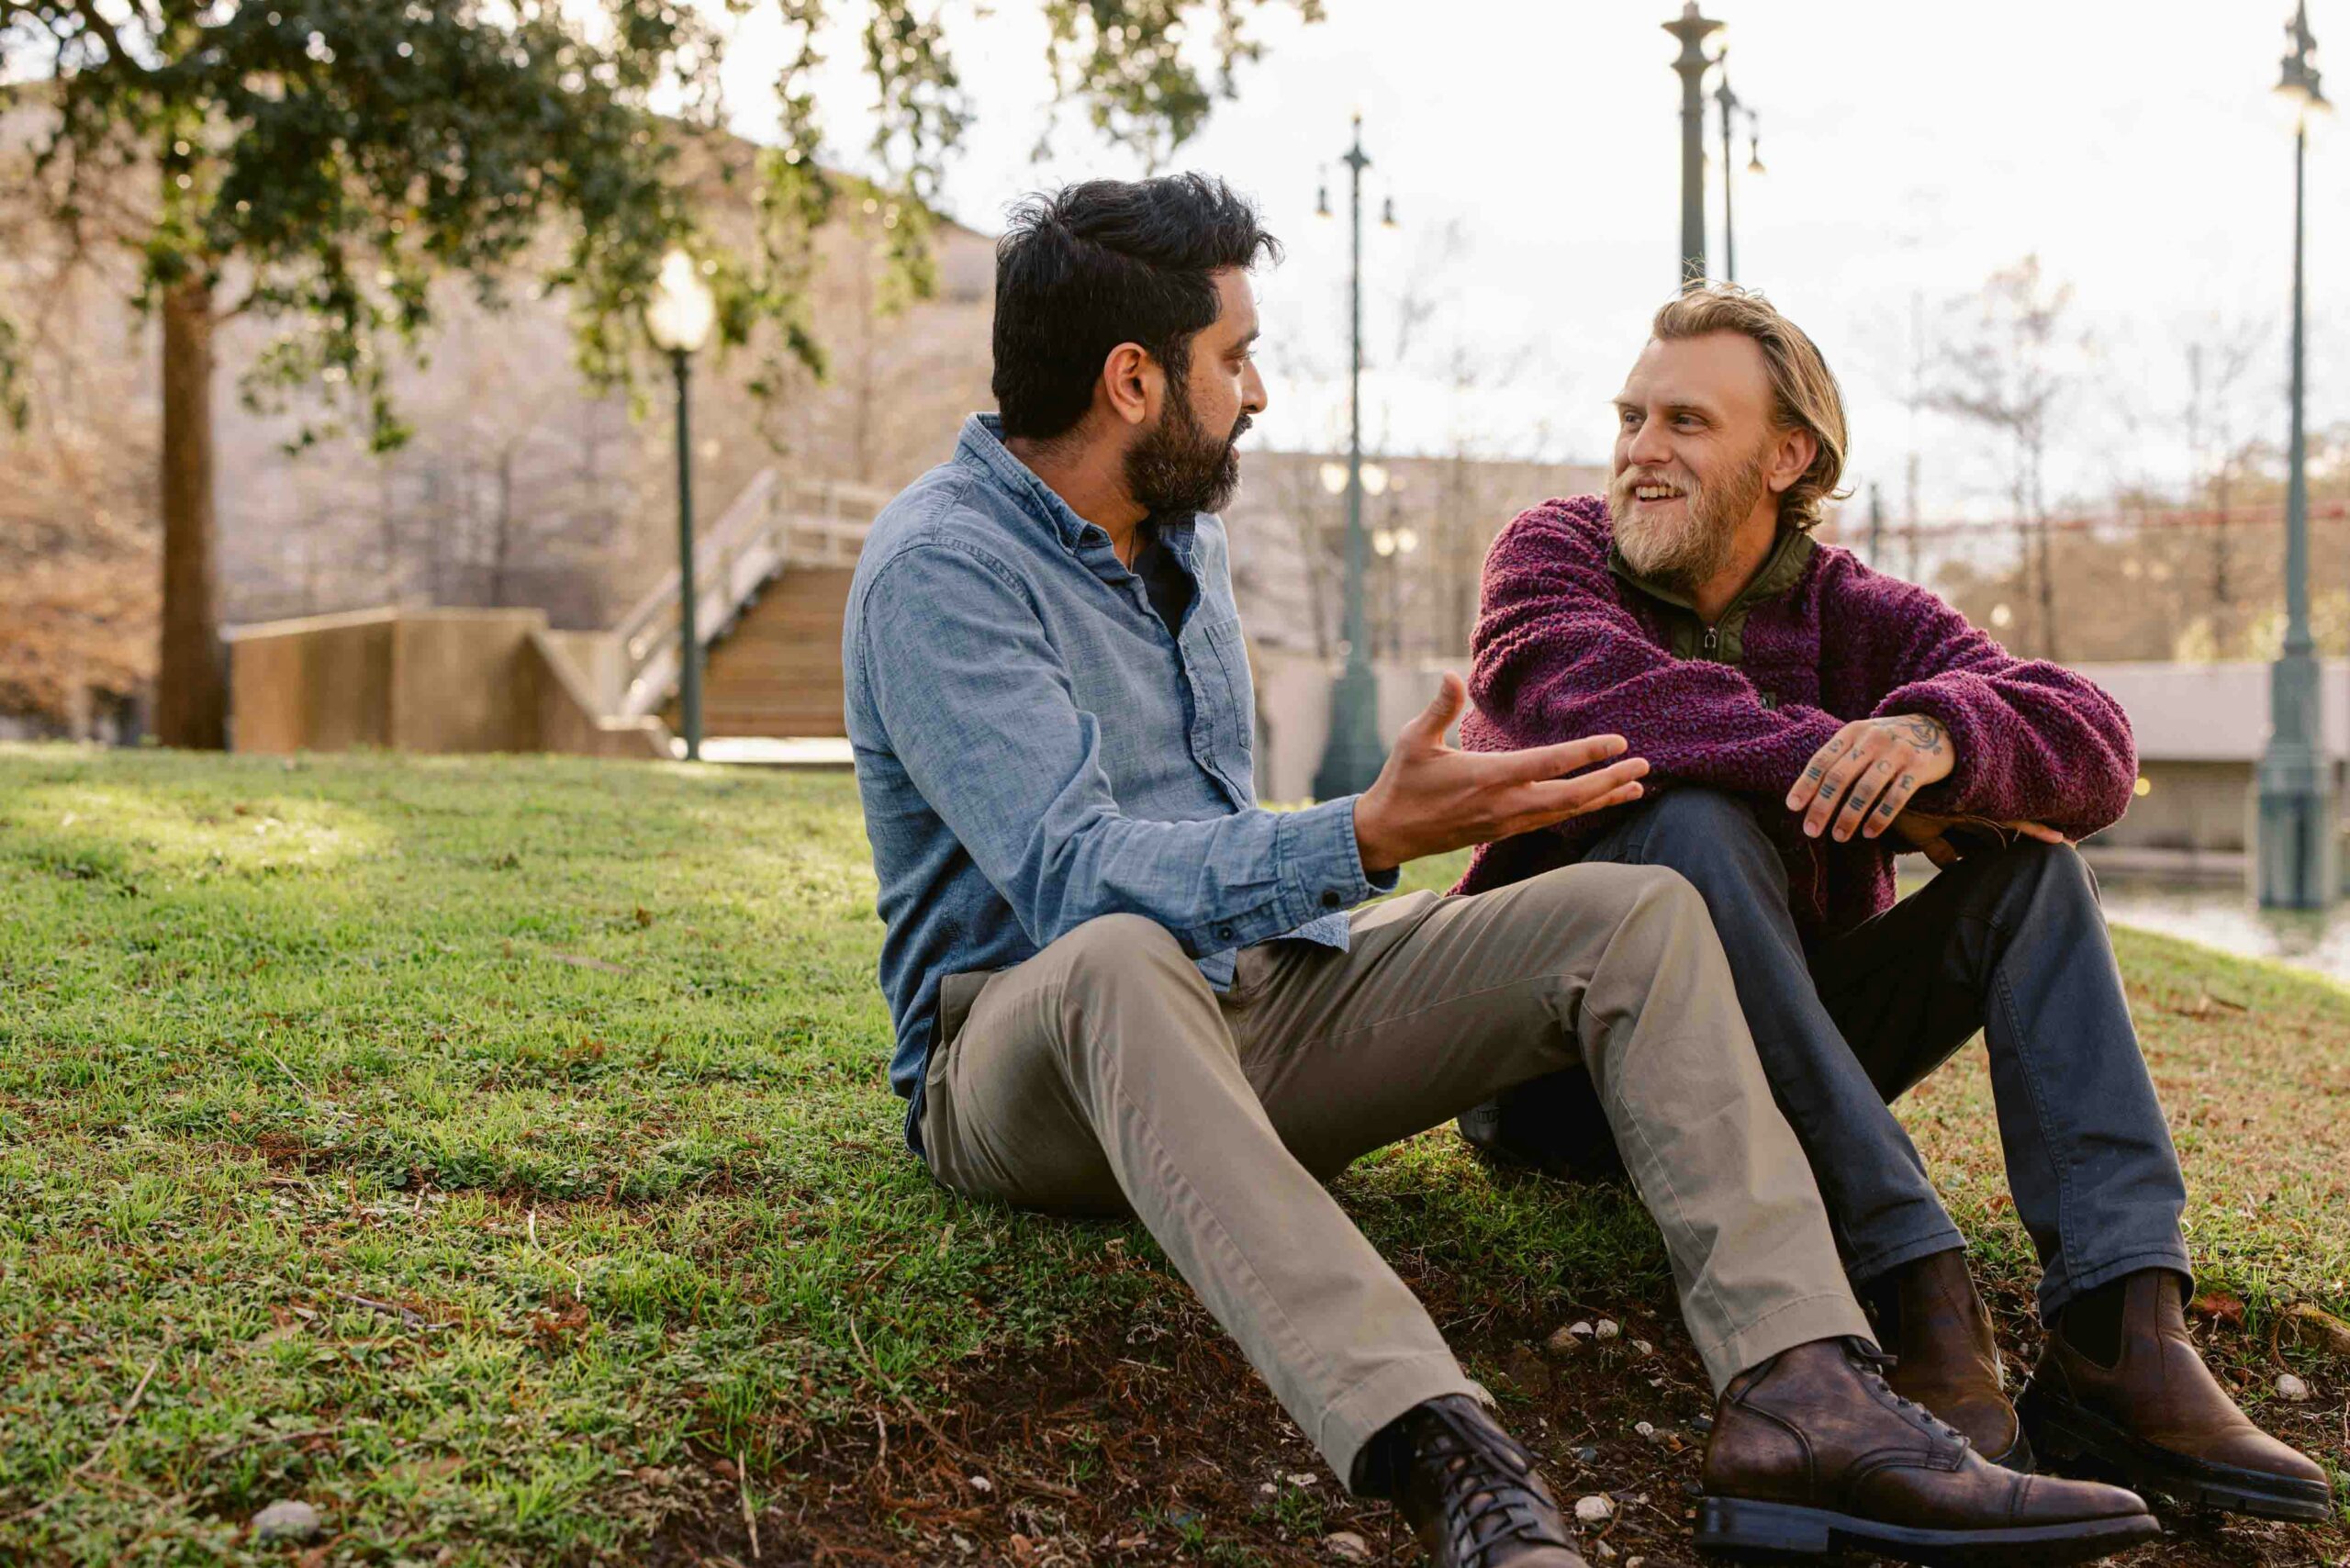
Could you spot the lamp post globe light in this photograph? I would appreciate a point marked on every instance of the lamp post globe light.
(1692, 29)
(1351, 755)
(678, 317)
(2297, 863)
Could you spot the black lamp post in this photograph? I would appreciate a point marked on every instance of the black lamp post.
(1692, 28)
(2297, 859)
(1352, 755)
(678, 317)
(1729, 107)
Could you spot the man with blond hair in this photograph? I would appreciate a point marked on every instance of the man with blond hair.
(1121, 987)
(1806, 719)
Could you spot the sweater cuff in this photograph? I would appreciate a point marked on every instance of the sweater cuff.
(1973, 746)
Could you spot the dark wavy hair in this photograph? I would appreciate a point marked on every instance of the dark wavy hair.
(1104, 262)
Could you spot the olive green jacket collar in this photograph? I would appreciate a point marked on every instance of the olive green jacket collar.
(1725, 640)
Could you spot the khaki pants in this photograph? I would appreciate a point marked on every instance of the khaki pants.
(1105, 1076)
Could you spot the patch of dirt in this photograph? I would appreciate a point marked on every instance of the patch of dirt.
(1100, 1450)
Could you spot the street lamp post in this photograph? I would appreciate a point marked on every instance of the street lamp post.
(1729, 107)
(678, 317)
(1692, 29)
(1352, 755)
(2296, 862)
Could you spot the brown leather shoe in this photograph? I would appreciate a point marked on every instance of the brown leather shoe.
(1812, 1453)
(1945, 1358)
(1470, 1494)
(2159, 1417)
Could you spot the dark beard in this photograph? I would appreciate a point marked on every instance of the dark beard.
(1177, 469)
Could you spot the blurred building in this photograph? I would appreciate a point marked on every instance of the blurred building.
(1437, 515)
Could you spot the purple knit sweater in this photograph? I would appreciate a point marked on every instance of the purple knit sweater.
(1565, 648)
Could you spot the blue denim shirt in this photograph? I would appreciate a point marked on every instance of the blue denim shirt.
(1035, 749)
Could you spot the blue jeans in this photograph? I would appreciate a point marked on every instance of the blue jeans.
(2009, 942)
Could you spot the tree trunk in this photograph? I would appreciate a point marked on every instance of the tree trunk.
(191, 694)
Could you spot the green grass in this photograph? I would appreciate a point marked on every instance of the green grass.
(465, 1146)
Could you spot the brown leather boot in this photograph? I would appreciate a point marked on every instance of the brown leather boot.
(2159, 1417)
(1470, 1494)
(1944, 1356)
(1812, 1453)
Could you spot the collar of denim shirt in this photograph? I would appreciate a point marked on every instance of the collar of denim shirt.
(981, 446)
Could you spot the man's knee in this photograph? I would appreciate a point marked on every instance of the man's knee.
(2033, 874)
(1712, 838)
(1646, 904)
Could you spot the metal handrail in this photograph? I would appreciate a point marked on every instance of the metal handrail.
(771, 525)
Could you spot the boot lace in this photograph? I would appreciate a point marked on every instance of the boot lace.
(1873, 1363)
(1484, 1474)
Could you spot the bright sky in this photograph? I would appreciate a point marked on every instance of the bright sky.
(2138, 149)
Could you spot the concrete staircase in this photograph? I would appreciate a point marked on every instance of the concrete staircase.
(771, 583)
(776, 672)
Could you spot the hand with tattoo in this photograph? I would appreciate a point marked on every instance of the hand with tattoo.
(1863, 777)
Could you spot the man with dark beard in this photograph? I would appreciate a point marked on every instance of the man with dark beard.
(1806, 717)
(1120, 987)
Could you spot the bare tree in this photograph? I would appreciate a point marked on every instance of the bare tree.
(2003, 370)
(2220, 357)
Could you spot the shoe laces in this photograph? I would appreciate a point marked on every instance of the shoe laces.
(1488, 1501)
(1873, 1363)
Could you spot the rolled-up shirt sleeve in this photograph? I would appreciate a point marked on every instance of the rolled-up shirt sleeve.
(978, 708)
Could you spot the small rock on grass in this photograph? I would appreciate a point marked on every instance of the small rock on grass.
(1595, 1509)
(1346, 1546)
(1608, 1328)
(289, 1519)
(2292, 1387)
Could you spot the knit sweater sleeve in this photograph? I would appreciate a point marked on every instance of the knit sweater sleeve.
(2034, 740)
(1557, 656)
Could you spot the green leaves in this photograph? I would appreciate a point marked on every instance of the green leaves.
(13, 407)
(319, 162)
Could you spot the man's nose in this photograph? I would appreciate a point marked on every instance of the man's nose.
(1252, 393)
(1649, 447)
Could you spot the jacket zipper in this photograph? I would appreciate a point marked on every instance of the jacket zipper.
(1713, 639)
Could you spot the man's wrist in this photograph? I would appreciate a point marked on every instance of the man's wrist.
(1370, 846)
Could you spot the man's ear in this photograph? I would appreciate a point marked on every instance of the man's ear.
(1794, 456)
(1132, 384)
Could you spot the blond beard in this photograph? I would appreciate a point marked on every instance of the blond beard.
(1695, 548)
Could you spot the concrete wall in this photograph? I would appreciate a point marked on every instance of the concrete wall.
(1293, 712)
(422, 680)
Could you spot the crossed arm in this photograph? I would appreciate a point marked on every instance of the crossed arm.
(2023, 743)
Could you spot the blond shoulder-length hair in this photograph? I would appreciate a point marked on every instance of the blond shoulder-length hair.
(1804, 394)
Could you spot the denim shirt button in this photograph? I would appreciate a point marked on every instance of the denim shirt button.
(1330, 898)
(1225, 931)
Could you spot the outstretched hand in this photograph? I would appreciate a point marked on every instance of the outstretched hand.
(1430, 797)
